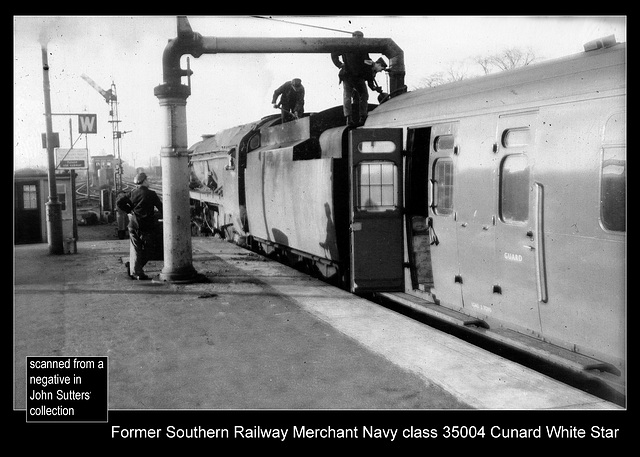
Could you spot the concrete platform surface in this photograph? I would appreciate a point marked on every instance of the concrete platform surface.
(253, 334)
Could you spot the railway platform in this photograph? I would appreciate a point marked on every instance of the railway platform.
(253, 335)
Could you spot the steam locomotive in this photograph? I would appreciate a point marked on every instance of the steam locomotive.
(501, 198)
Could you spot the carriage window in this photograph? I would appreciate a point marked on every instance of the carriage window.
(29, 196)
(613, 196)
(516, 137)
(613, 187)
(443, 142)
(443, 180)
(377, 186)
(376, 147)
(514, 188)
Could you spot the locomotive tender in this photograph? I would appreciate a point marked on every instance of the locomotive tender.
(501, 197)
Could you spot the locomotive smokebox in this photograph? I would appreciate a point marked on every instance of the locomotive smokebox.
(173, 95)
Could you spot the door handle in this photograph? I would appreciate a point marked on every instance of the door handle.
(541, 270)
(531, 248)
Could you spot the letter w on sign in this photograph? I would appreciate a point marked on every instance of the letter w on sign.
(88, 123)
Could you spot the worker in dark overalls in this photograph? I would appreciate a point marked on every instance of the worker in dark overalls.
(291, 102)
(357, 71)
(140, 205)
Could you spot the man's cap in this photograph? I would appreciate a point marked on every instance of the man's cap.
(139, 179)
(382, 62)
(296, 82)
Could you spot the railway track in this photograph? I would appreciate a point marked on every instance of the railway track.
(128, 185)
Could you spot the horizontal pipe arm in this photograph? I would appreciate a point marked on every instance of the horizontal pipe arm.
(189, 42)
(384, 46)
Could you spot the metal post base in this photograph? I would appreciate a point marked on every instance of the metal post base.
(185, 276)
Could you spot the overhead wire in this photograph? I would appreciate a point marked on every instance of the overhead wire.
(305, 25)
(312, 26)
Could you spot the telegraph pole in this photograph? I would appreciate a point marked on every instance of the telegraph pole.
(54, 211)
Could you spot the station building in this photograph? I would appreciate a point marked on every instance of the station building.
(31, 193)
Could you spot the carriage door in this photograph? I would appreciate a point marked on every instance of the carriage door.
(443, 168)
(520, 282)
(376, 216)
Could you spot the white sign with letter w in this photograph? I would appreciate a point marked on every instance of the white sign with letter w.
(87, 123)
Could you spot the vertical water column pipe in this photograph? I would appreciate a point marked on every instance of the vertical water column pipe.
(176, 211)
(174, 159)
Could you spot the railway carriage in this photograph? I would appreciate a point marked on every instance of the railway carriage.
(522, 176)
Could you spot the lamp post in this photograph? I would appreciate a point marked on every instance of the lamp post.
(54, 208)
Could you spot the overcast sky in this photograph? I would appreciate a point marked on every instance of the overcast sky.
(232, 89)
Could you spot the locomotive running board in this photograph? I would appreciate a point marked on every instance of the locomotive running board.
(541, 350)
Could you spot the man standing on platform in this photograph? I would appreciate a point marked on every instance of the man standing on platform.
(140, 205)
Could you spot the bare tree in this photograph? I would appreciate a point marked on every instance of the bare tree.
(453, 72)
(456, 72)
(434, 79)
(504, 60)
(484, 62)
